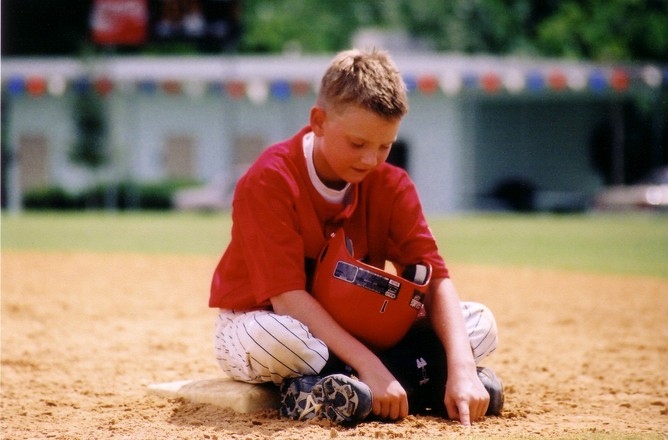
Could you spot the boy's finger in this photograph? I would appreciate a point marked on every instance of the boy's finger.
(464, 413)
(376, 407)
(404, 408)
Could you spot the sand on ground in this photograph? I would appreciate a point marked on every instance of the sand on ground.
(84, 334)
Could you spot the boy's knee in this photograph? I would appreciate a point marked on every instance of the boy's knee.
(482, 329)
(285, 345)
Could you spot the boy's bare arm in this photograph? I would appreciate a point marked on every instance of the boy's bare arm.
(465, 397)
(389, 397)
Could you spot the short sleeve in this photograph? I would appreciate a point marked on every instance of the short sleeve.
(411, 239)
(264, 216)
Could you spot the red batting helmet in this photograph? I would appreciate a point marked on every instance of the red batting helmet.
(375, 306)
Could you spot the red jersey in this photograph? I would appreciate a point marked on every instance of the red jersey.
(281, 223)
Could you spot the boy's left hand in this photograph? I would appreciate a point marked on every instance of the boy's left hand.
(466, 398)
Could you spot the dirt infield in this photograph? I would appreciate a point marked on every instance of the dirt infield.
(83, 335)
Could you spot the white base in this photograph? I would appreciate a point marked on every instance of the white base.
(224, 392)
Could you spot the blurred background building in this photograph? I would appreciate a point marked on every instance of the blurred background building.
(115, 94)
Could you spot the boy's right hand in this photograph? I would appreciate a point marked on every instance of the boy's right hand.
(389, 397)
(390, 400)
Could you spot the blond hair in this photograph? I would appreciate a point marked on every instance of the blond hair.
(366, 79)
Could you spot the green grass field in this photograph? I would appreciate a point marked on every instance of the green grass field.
(623, 243)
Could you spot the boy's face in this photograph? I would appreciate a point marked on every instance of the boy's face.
(350, 144)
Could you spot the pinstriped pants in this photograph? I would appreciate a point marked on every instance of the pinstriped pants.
(260, 346)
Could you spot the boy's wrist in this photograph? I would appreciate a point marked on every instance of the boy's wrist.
(461, 362)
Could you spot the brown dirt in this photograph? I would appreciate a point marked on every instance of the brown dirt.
(83, 334)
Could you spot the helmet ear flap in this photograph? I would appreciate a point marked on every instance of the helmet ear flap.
(349, 246)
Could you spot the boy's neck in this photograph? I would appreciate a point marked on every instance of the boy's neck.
(331, 194)
(319, 163)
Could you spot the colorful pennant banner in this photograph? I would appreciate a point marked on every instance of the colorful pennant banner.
(616, 80)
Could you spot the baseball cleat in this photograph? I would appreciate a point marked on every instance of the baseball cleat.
(336, 397)
(495, 389)
(297, 401)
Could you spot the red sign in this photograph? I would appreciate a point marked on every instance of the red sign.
(119, 22)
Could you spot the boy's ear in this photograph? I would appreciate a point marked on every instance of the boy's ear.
(317, 120)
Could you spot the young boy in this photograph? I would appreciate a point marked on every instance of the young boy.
(331, 175)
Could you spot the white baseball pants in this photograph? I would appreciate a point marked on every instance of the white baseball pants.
(260, 346)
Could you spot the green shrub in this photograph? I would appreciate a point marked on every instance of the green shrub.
(55, 198)
(123, 196)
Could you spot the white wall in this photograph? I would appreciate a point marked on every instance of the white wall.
(545, 142)
(52, 118)
(458, 148)
(434, 131)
